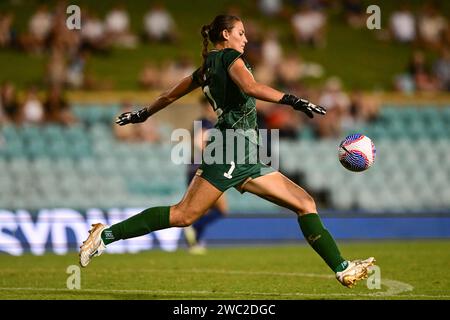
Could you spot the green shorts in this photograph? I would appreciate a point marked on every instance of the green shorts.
(225, 176)
(233, 170)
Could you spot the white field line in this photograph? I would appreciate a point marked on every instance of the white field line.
(394, 288)
(219, 293)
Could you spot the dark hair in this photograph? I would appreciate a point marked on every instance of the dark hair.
(213, 33)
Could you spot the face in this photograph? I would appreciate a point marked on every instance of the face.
(235, 38)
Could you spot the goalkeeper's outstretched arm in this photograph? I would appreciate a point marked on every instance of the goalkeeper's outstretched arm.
(179, 90)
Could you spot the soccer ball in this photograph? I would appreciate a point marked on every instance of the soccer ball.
(357, 152)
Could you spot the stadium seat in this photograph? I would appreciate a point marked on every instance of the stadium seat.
(85, 165)
(38, 148)
(14, 149)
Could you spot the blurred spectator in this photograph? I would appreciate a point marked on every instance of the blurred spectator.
(253, 49)
(290, 71)
(56, 67)
(287, 120)
(265, 73)
(273, 116)
(333, 96)
(419, 71)
(234, 9)
(125, 133)
(363, 109)
(56, 108)
(93, 33)
(404, 83)
(402, 24)
(270, 8)
(117, 25)
(175, 70)
(3, 118)
(446, 36)
(441, 69)
(272, 52)
(337, 103)
(7, 34)
(431, 26)
(39, 28)
(148, 131)
(309, 25)
(75, 76)
(149, 77)
(263, 109)
(9, 103)
(69, 41)
(32, 109)
(141, 132)
(159, 24)
(355, 14)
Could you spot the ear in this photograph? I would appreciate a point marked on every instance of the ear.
(225, 34)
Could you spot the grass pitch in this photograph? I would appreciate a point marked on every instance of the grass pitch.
(409, 270)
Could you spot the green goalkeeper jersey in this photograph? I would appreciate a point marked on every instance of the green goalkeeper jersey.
(234, 108)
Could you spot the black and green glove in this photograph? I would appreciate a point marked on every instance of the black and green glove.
(132, 117)
(302, 105)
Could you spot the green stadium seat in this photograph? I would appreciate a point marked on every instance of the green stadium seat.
(52, 132)
(19, 167)
(306, 133)
(63, 166)
(84, 166)
(430, 114)
(37, 148)
(96, 113)
(80, 149)
(100, 131)
(437, 130)
(387, 113)
(30, 132)
(14, 149)
(378, 132)
(10, 133)
(342, 199)
(58, 149)
(77, 133)
(4, 164)
(42, 165)
(445, 114)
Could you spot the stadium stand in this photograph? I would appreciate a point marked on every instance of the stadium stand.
(85, 166)
(411, 167)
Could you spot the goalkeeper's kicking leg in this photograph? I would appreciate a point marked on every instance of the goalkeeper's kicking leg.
(277, 188)
(199, 197)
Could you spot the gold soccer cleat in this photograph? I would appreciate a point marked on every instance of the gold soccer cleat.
(355, 271)
(93, 246)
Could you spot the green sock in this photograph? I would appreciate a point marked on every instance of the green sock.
(322, 242)
(149, 220)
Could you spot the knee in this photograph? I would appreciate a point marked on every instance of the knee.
(183, 218)
(307, 205)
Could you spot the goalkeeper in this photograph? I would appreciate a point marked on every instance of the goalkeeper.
(227, 82)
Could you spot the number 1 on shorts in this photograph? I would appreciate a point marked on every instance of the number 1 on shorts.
(228, 174)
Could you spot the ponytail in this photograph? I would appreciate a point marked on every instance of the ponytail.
(205, 34)
(213, 32)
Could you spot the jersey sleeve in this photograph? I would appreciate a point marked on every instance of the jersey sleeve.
(196, 76)
(229, 57)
